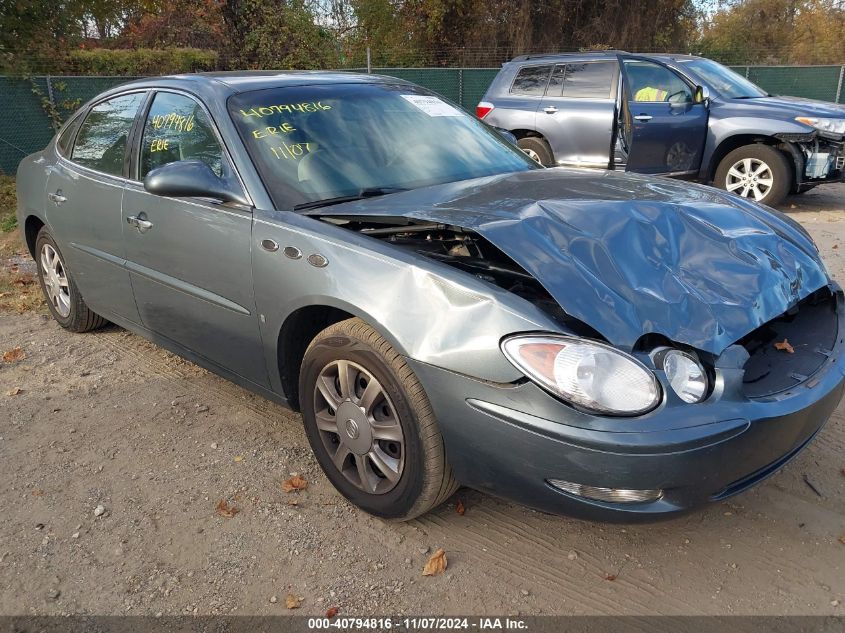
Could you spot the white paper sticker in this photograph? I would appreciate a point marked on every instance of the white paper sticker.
(432, 106)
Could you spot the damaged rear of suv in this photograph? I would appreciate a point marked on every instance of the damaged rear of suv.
(676, 115)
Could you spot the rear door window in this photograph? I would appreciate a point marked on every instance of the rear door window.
(590, 80)
(531, 80)
(101, 142)
(177, 128)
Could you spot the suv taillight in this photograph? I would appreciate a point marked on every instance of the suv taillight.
(483, 109)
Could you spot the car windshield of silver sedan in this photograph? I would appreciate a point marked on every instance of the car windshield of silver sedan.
(322, 144)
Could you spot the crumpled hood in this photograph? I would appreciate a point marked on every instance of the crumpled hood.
(630, 254)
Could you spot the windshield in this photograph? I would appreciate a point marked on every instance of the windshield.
(330, 141)
(723, 80)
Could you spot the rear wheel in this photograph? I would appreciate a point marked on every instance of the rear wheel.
(759, 172)
(370, 424)
(63, 297)
(538, 149)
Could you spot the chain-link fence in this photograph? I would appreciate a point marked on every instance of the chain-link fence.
(35, 106)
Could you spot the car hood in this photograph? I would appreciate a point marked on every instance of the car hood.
(794, 106)
(628, 254)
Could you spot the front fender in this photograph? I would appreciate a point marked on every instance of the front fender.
(428, 311)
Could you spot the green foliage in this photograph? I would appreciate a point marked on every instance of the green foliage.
(141, 61)
(8, 202)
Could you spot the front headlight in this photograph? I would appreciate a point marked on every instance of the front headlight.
(837, 126)
(591, 375)
(686, 376)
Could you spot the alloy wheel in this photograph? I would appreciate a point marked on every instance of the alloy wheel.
(532, 155)
(55, 280)
(359, 426)
(750, 178)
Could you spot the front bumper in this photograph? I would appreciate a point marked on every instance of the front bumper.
(510, 440)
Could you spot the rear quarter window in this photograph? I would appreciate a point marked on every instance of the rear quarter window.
(531, 80)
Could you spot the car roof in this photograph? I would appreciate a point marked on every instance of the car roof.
(222, 84)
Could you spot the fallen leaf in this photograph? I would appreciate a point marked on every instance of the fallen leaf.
(13, 355)
(292, 502)
(14, 392)
(459, 507)
(292, 601)
(331, 612)
(24, 280)
(835, 246)
(239, 458)
(610, 577)
(37, 492)
(436, 564)
(294, 483)
(785, 347)
(225, 510)
(842, 539)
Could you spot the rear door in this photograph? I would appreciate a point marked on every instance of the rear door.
(578, 111)
(664, 129)
(84, 196)
(191, 268)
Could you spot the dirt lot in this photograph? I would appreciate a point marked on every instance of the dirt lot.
(108, 419)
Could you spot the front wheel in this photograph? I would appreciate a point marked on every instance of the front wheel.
(63, 297)
(759, 172)
(370, 424)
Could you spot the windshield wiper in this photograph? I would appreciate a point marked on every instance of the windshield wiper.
(369, 192)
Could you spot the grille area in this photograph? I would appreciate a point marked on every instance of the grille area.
(811, 328)
(840, 163)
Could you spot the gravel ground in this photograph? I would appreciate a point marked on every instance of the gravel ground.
(114, 455)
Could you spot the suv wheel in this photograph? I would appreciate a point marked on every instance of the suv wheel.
(370, 424)
(538, 149)
(758, 172)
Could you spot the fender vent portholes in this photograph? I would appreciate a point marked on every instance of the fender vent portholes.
(269, 245)
(315, 259)
(292, 252)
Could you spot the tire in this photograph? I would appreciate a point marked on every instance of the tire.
(69, 310)
(538, 149)
(419, 476)
(764, 161)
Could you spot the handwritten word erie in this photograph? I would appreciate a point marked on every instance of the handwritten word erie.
(293, 151)
(262, 111)
(284, 128)
(159, 145)
(173, 121)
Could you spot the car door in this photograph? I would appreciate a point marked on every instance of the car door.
(663, 126)
(84, 197)
(578, 112)
(190, 258)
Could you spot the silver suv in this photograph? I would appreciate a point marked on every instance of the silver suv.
(676, 115)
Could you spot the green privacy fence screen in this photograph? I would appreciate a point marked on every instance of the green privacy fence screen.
(26, 125)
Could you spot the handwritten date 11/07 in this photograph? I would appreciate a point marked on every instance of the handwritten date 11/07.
(294, 151)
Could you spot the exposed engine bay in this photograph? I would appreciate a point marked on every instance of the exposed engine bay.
(467, 251)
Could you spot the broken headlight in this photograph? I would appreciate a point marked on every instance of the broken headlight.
(837, 126)
(585, 373)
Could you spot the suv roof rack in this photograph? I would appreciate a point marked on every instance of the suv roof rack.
(522, 58)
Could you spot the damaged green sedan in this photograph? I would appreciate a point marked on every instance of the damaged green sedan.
(440, 308)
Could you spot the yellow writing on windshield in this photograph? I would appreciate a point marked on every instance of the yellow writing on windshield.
(173, 121)
(309, 106)
(294, 151)
(284, 128)
(159, 145)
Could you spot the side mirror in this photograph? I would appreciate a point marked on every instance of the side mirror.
(191, 179)
(506, 134)
(702, 94)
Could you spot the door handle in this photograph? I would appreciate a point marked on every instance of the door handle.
(643, 117)
(140, 222)
(550, 109)
(57, 198)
